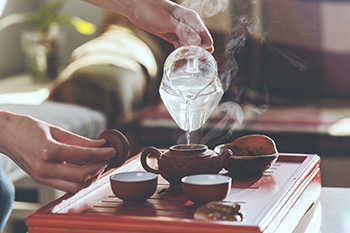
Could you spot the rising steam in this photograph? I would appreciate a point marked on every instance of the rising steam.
(234, 45)
(233, 117)
(246, 27)
(293, 59)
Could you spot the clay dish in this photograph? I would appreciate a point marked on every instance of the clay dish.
(206, 187)
(252, 154)
(134, 186)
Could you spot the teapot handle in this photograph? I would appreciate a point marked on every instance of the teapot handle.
(150, 151)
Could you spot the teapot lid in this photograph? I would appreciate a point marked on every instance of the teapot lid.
(191, 150)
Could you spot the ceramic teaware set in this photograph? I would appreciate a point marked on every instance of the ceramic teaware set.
(192, 167)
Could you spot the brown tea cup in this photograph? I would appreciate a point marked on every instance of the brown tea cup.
(205, 188)
(134, 186)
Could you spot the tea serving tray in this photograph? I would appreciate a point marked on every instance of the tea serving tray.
(272, 202)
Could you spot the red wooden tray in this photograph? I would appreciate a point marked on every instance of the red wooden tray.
(273, 202)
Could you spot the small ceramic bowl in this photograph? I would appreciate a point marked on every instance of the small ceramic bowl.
(243, 165)
(206, 187)
(134, 186)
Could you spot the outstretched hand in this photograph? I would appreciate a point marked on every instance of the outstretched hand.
(166, 19)
(172, 22)
(53, 156)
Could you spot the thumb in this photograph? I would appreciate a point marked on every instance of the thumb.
(186, 35)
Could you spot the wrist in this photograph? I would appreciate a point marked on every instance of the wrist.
(4, 123)
(124, 7)
(7, 120)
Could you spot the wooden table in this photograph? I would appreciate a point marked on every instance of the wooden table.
(273, 202)
(331, 213)
(335, 206)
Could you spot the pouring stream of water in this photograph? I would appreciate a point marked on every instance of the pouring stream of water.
(190, 88)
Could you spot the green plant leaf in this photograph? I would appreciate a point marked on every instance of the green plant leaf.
(80, 25)
(46, 16)
(16, 19)
(50, 10)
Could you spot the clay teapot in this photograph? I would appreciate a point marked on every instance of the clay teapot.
(183, 160)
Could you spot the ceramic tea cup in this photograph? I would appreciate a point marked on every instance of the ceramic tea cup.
(205, 188)
(134, 186)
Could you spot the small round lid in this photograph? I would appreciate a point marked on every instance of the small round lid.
(191, 150)
(120, 143)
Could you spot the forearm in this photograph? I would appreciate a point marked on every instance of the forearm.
(7, 121)
(124, 7)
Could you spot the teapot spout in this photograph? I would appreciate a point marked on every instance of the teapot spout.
(222, 159)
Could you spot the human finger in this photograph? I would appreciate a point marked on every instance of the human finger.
(64, 185)
(66, 137)
(186, 35)
(71, 172)
(191, 29)
(56, 151)
(206, 41)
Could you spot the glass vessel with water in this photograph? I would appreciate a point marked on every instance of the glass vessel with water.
(190, 87)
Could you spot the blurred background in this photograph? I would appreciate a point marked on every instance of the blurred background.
(14, 62)
(284, 64)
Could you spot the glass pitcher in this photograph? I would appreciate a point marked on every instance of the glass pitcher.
(190, 87)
